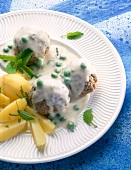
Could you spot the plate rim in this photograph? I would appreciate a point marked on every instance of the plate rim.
(113, 118)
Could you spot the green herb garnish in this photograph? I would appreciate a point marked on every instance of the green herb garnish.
(7, 126)
(23, 115)
(13, 114)
(73, 35)
(57, 51)
(18, 63)
(0, 90)
(19, 120)
(88, 117)
(26, 116)
(27, 96)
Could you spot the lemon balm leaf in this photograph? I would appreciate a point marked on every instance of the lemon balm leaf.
(11, 68)
(26, 116)
(8, 58)
(73, 35)
(25, 56)
(88, 117)
(27, 71)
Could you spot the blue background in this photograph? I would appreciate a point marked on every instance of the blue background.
(113, 150)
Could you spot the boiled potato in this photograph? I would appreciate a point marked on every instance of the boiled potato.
(11, 129)
(38, 133)
(23, 130)
(45, 123)
(4, 100)
(22, 75)
(1, 83)
(1, 108)
(12, 84)
(13, 109)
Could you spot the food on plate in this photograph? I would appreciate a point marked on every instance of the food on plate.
(50, 95)
(12, 108)
(47, 86)
(47, 126)
(12, 84)
(37, 132)
(10, 129)
(81, 77)
(4, 100)
(33, 38)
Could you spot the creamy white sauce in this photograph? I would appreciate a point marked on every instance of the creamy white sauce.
(79, 76)
(54, 91)
(37, 40)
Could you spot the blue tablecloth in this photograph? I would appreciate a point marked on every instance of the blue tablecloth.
(113, 18)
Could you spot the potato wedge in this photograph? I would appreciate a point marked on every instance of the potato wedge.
(12, 84)
(4, 100)
(23, 130)
(12, 108)
(11, 129)
(37, 133)
(1, 108)
(47, 126)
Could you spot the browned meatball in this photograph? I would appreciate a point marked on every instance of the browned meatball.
(90, 86)
(43, 108)
(51, 96)
(33, 38)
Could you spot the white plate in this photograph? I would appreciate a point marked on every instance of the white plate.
(106, 101)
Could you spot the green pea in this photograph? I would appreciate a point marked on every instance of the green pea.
(37, 75)
(6, 50)
(62, 119)
(58, 70)
(70, 126)
(76, 107)
(39, 83)
(54, 75)
(58, 114)
(50, 117)
(83, 66)
(24, 39)
(58, 64)
(62, 57)
(67, 80)
(66, 73)
(10, 46)
(39, 62)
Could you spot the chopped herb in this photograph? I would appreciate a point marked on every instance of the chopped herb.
(27, 96)
(73, 35)
(13, 114)
(57, 51)
(19, 120)
(62, 58)
(7, 126)
(10, 68)
(88, 117)
(0, 90)
(26, 116)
